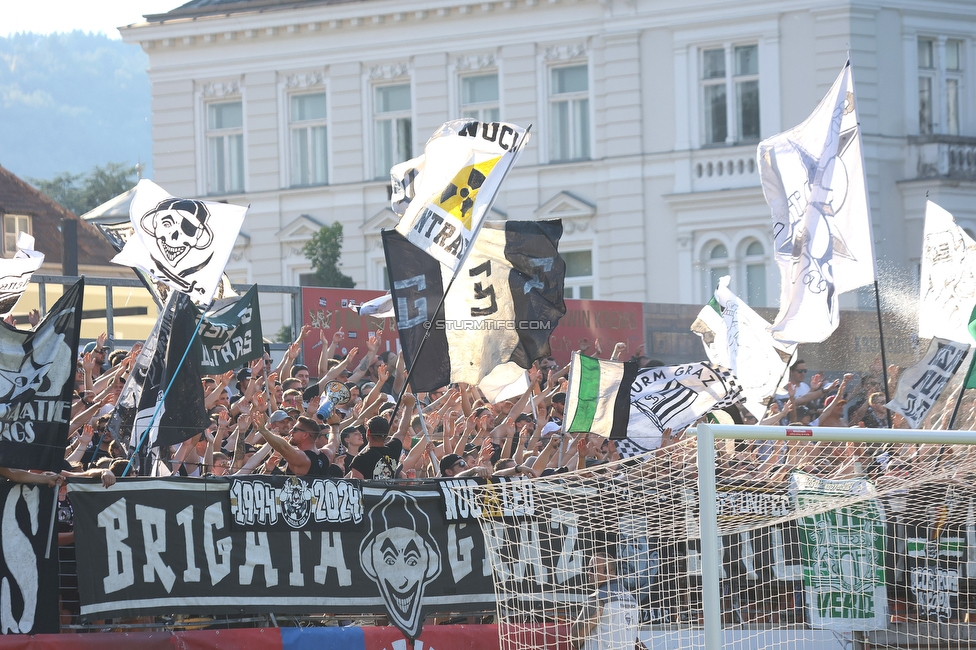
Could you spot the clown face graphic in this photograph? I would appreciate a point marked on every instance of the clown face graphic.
(401, 557)
(178, 226)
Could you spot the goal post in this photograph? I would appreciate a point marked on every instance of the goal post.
(708, 434)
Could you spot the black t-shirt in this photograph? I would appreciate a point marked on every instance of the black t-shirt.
(379, 462)
(319, 464)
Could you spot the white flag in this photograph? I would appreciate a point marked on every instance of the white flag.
(740, 340)
(16, 272)
(182, 243)
(813, 179)
(444, 195)
(920, 385)
(948, 278)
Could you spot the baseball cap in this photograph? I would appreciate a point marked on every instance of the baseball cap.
(243, 373)
(278, 416)
(89, 347)
(551, 427)
(449, 461)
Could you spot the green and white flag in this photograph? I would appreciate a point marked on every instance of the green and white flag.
(598, 398)
(620, 401)
(738, 338)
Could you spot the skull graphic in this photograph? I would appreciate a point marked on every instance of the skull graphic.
(178, 226)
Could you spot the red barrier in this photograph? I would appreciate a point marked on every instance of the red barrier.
(252, 639)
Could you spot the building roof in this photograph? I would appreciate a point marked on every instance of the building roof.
(196, 8)
(18, 197)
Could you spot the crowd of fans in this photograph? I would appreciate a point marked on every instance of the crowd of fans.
(278, 419)
(283, 418)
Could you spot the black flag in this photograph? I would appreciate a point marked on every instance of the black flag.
(230, 334)
(182, 414)
(504, 304)
(37, 375)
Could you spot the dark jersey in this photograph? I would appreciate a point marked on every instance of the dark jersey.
(319, 464)
(379, 462)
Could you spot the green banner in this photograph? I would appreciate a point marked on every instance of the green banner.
(230, 335)
(842, 553)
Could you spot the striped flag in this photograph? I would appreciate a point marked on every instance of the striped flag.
(598, 398)
(634, 405)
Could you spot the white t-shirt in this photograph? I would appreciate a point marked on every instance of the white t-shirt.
(619, 620)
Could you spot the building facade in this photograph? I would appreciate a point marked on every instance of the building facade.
(645, 117)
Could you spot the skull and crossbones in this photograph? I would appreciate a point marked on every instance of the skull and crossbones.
(178, 226)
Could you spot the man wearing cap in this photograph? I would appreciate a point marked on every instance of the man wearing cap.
(281, 422)
(380, 458)
(301, 454)
(243, 379)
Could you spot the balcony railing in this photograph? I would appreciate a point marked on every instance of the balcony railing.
(944, 156)
(719, 169)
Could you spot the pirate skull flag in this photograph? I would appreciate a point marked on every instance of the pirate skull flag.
(37, 373)
(182, 243)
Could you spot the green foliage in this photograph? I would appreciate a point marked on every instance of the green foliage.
(284, 335)
(82, 192)
(323, 250)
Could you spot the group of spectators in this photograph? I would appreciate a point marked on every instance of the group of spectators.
(290, 418)
(286, 418)
(294, 419)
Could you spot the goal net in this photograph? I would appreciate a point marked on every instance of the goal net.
(820, 544)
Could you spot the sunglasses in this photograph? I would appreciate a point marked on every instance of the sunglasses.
(801, 371)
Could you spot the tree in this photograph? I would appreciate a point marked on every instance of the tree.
(323, 250)
(80, 193)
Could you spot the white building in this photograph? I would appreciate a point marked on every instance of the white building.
(645, 114)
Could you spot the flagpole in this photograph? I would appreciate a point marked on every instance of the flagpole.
(457, 271)
(884, 360)
(962, 390)
(172, 380)
(867, 202)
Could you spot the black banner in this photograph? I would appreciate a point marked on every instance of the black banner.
(150, 545)
(37, 380)
(28, 564)
(230, 334)
(285, 503)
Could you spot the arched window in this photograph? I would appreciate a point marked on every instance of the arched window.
(754, 263)
(715, 265)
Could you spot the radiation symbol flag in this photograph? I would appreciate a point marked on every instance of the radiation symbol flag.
(443, 197)
(460, 194)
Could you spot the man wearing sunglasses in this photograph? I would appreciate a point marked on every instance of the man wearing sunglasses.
(805, 393)
(301, 454)
(453, 466)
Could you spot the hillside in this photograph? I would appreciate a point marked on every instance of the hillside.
(71, 101)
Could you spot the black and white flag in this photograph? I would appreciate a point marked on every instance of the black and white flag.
(674, 397)
(230, 334)
(118, 234)
(181, 412)
(920, 385)
(813, 179)
(16, 272)
(183, 243)
(505, 302)
(37, 380)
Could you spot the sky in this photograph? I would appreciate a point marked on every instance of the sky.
(100, 16)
